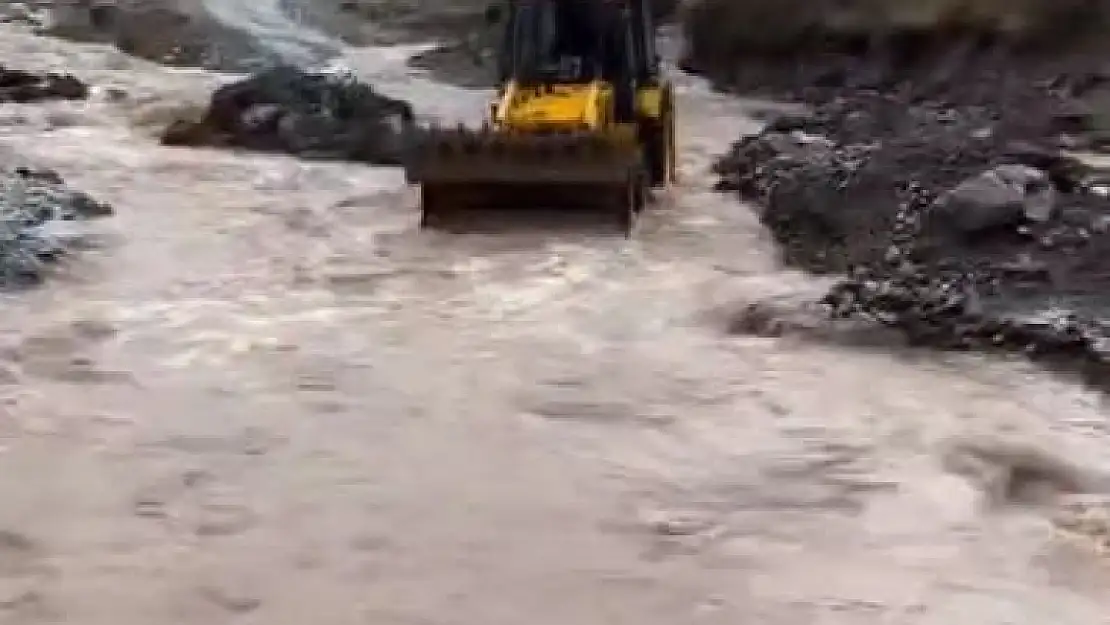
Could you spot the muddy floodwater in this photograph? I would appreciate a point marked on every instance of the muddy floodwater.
(266, 398)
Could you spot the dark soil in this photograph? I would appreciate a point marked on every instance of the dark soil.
(933, 176)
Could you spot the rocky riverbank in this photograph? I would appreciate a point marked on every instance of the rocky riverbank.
(937, 180)
(184, 33)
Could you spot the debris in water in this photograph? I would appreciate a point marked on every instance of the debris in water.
(22, 86)
(37, 214)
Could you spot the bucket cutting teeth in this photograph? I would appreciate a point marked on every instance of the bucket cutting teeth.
(460, 167)
(462, 154)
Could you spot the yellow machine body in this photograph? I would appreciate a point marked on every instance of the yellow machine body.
(556, 145)
(557, 106)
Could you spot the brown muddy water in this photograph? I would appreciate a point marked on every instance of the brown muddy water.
(268, 398)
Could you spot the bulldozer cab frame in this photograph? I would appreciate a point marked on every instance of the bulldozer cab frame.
(582, 117)
(575, 41)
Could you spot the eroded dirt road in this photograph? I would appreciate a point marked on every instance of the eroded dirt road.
(270, 399)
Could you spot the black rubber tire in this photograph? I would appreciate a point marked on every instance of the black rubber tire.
(658, 147)
(428, 208)
(642, 192)
(629, 205)
(655, 155)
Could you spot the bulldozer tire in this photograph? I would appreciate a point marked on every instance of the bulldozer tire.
(659, 146)
(655, 153)
(429, 208)
(630, 201)
(642, 192)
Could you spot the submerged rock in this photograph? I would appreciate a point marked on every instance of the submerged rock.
(23, 86)
(325, 114)
(35, 207)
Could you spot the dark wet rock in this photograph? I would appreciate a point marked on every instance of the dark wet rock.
(1002, 196)
(325, 115)
(38, 222)
(1066, 173)
(23, 86)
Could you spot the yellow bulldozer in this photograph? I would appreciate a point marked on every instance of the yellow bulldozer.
(582, 117)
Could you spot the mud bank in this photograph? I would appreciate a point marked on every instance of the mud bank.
(791, 45)
(187, 33)
(932, 173)
(172, 32)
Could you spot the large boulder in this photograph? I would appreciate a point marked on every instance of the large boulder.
(326, 115)
(1003, 196)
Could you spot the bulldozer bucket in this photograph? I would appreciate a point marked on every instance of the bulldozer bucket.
(461, 169)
